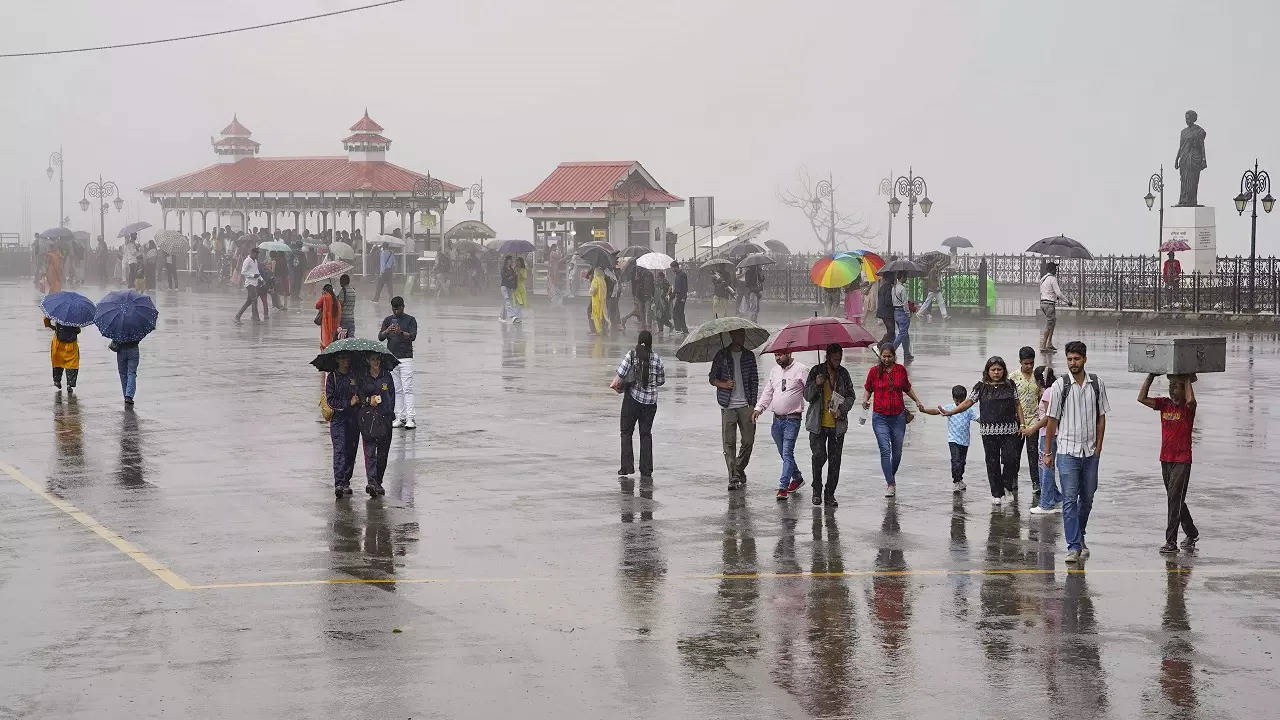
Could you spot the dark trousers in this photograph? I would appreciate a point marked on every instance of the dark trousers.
(959, 455)
(171, 274)
(384, 280)
(677, 315)
(632, 412)
(1002, 462)
(611, 308)
(827, 447)
(1177, 477)
(1033, 460)
(890, 330)
(345, 436)
(251, 301)
(72, 374)
(375, 458)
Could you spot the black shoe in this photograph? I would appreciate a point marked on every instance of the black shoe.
(830, 501)
(373, 491)
(381, 490)
(57, 384)
(1168, 549)
(128, 401)
(817, 498)
(338, 493)
(346, 490)
(1190, 543)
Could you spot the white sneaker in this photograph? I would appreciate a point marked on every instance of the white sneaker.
(1009, 499)
(996, 501)
(957, 487)
(397, 423)
(1037, 510)
(890, 490)
(410, 424)
(1084, 550)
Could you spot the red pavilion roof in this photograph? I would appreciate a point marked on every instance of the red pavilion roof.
(295, 174)
(592, 182)
(366, 138)
(235, 128)
(366, 124)
(235, 141)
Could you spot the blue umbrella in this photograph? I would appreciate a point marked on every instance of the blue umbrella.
(58, 234)
(515, 247)
(125, 316)
(68, 308)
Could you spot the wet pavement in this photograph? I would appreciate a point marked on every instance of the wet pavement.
(188, 558)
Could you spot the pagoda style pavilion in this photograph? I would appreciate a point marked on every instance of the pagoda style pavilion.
(263, 190)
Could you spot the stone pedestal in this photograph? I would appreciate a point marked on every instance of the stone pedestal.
(1196, 227)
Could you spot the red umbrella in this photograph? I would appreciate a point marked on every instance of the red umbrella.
(816, 333)
(1175, 246)
(326, 271)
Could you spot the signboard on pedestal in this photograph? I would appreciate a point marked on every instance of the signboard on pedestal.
(1196, 227)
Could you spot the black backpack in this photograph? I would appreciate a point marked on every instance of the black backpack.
(1066, 393)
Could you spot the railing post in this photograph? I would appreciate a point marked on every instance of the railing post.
(1235, 301)
(1195, 292)
(1155, 290)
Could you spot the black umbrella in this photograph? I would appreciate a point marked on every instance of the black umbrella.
(58, 234)
(905, 268)
(1061, 246)
(933, 259)
(724, 264)
(777, 247)
(955, 241)
(634, 251)
(755, 259)
(594, 255)
(744, 249)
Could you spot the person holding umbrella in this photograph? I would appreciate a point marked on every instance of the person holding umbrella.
(599, 301)
(1050, 295)
(733, 373)
(830, 394)
(340, 405)
(520, 298)
(508, 282)
(884, 307)
(721, 292)
(126, 317)
(377, 393)
(902, 317)
(65, 313)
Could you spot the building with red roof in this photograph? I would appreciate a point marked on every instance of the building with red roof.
(618, 201)
(247, 189)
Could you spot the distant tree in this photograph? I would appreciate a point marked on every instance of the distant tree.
(814, 198)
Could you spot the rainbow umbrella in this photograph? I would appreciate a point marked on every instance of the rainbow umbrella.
(834, 271)
(870, 262)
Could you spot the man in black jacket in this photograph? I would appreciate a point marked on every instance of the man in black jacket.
(680, 284)
(399, 330)
(827, 420)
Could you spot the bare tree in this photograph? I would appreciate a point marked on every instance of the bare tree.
(834, 231)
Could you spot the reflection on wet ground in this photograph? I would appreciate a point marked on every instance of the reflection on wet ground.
(508, 572)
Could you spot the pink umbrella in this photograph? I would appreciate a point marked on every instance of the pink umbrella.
(327, 271)
(816, 333)
(1175, 246)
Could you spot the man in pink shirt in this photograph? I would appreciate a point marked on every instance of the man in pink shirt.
(783, 395)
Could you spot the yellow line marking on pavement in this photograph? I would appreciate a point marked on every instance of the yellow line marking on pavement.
(172, 579)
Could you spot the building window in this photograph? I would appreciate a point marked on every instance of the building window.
(639, 233)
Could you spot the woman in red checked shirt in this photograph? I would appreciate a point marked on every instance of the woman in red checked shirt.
(886, 382)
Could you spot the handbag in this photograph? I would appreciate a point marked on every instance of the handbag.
(373, 424)
(624, 383)
(326, 410)
(319, 317)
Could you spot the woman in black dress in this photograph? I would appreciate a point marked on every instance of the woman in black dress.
(1000, 418)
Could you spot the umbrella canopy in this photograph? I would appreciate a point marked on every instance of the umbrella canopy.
(170, 241)
(391, 240)
(870, 262)
(934, 259)
(817, 333)
(274, 246)
(602, 244)
(905, 268)
(777, 247)
(724, 264)
(1175, 246)
(515, 247)
(58, 233)
(955, 241)
(655, 261)
(327, 360)
(465, 245)
(125, 316)
(744, 249)
(1061, 246)
(595, 256)
(634, 251)
(834, 271)
(326, 271)
(315, 243)
(342, 250)
(132, 228)
(755, 259)
(704, 342)
(68, 308)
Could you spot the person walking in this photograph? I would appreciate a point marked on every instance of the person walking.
(170, 270)
(933, 293)
(129, 260)
(329, 315)
(638, 378)
(884, 308)
(1000, 424)
(53, 270)
(1050, 295)
(958, 435)
(64, 353)
(753, 291)
(902, 318)
(1077, 423)
(102, 257)
(127, 359)
(660, 307)
(597, 307)
(1177, 415)
(520, 297)
(854, 296)
(508, 282)
(342, 394)
(377, 391)
(386, 268)
(399, 330)
(680, 286)
(1050, 497)
(783, 395)
(347, 300)
(252, 278)
(1029, 392)
(830, 393)
(733, 373)
(886, 382)
(721, 293)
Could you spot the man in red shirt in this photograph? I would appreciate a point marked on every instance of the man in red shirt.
(1177, 414)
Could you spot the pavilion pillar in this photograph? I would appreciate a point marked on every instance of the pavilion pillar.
(204, 222)
(382, 222)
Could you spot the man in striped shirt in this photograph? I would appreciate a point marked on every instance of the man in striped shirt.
(1077, 419)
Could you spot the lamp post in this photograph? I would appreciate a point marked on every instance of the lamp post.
(1253, 182)
(825, 188)
(102, 191)
(886, 189)
(1155, 184)
(476, 192)
(915, 191)
(430, 192)
(55, 160)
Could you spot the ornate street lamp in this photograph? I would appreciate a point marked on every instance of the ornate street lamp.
(101, 191)
(55, 160)
(1253, 182)
(915, 190)
(886, 189)
(431, 193)
(476, 192)
(825, 188)
(1155, 184)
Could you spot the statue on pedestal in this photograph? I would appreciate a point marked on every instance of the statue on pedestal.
(1190, 160)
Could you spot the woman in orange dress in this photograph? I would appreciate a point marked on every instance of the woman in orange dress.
(330, 315)
(53, 272)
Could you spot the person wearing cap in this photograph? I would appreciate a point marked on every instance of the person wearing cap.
(1050, 295)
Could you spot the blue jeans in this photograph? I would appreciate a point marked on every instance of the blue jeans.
(1079, 478)
(903, 338)
(1049, 493)
(510, 311)
(889, 430)
(785, 431)
(127, 364)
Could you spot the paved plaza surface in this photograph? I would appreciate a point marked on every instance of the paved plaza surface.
(188, 559)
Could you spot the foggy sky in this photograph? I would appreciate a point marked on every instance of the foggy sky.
(1027, 119)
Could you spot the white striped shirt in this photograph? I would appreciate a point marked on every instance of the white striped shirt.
(1078, 421)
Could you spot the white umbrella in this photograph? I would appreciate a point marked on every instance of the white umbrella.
(391, 240)
(654, 261)
(342, 250)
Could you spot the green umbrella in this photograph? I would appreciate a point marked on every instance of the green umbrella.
(327, 360)
(703, 343)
